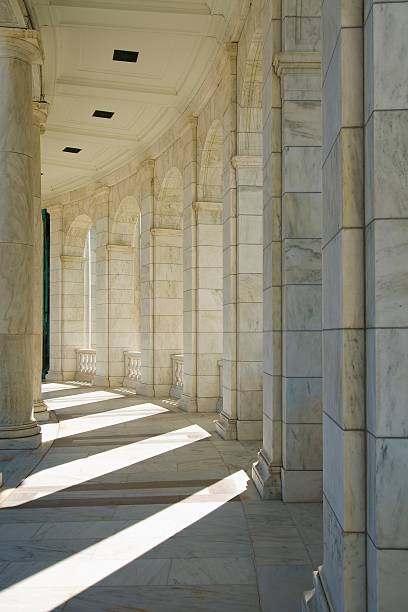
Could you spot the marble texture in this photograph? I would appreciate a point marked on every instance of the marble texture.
(68, 535)
(17, 426)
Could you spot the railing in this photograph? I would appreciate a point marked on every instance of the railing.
(86, 364)
(178, 373)
(133, 368)
(220, 373)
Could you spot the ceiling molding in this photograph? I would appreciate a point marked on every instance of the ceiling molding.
(81, 88)
(13, 14)
(145, 6)
(67, 130)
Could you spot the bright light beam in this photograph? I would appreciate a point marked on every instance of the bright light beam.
(51, 480)
(95, 563)
(69, 401)
(99, 420)
(53, 387)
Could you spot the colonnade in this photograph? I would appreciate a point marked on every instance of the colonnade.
(263, 237)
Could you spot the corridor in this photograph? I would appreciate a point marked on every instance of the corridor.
(135, 505)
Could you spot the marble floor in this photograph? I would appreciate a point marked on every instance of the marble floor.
(133, 505)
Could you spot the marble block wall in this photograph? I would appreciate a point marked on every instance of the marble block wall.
(301, 274)
(386, 236)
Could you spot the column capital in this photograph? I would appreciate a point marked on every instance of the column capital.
(165, 231)
(21, 44)
(40, 113)
(296, 62)
(72, 259)
(54, 209)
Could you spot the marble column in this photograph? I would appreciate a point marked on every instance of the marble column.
(190, 360)
(340, 584)
(266, 471)
(227, 422)
(19, 49)
(146, 385)
(40, 110)
(73, 319)
(168, 305)
(56, 246)
(386, 244)
(300, 76)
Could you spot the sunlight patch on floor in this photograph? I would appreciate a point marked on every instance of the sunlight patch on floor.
(76, 472)
(69, 401)
(100, 420)
(53, 387)
(78, 573)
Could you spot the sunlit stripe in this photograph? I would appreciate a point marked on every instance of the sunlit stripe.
(78, 399)
(95, 563)
(75, 472)
(53, 387)
(99, 420)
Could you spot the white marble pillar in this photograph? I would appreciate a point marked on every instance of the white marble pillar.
(146, 386)
(340, 584)
(40, 110)
(73, 319)
(386, 245)
(266, 471)
(299, 72)
(190, 360)
(56, 246)
(18, 50)
(227, 422)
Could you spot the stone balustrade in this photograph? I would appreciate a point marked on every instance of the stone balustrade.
(85, 365)
(178, 375)
(133, 368)
(220, 392)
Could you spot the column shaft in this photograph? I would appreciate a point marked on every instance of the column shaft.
(18, 429)
(39, 118)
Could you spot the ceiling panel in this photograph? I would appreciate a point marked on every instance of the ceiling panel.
(176, 40)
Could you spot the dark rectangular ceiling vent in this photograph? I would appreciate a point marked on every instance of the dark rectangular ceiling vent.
(119, 55)
(71, 150)
(103, 114)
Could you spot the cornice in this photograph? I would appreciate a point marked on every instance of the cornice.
(247, 161)
(295, 62)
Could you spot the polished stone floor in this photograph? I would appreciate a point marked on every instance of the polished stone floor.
(134, 505)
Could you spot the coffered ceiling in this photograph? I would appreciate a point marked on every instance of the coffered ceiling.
(176, 42)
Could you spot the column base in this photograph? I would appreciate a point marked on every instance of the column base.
(267, 478)
(40, 406)
(302, 485)
(315, 600)
(41, 411)
(249, 430)
(53, 377)
(226, 427)
(188, 403)
(101, 381)
(20, 437)
(144, 389)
